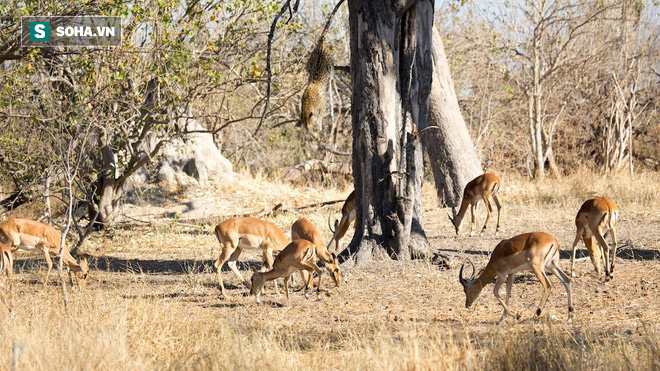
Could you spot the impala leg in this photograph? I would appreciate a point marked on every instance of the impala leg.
(496, 292)
(7, 288)
(546, 287)
(309, 279)
(225, 254)
(49, 263)
(567, 284)
(286, 286)
(499, 212)
(10, 280)
(473, 210)
(267, 263)
(234, 268)
(312, 267)
(305, 278)
(606, 252)
(578, 235)
(613, 236)
(509, 286)
(595, 251)
(489, 211)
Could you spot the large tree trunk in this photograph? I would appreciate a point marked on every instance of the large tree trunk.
(391, 67)
(453, 157)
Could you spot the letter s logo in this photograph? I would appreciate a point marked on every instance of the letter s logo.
(40, 31)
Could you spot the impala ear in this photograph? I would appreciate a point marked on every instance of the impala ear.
(334, 257)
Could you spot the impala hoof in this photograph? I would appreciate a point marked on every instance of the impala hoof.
(538, 312)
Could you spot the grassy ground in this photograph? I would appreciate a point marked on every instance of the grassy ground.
(153, 301)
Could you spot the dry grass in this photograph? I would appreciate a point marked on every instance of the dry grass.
(153, 302)
(642, 189)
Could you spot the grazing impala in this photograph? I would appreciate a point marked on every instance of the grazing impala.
(236, 234)
(347, 217)
(480, 188)
(6, 269)
(303, 229)
(538, 252)
(30, 235)
(596, 218)
(298, 255)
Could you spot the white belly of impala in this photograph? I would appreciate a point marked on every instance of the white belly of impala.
(28, 248)
(250, 242)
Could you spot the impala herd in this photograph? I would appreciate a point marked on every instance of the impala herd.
(537, 251)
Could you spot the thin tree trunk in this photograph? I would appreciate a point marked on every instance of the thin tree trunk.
(537, 114)
(48, 207)
(451, 151)
(391, 71)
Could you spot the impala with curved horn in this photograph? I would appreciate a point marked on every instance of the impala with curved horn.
(341, 226)
(596, 218)
(30, 235)
(481, 188)
(537, 252)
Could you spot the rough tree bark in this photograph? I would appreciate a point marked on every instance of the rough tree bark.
(451, 151)
(391, 73)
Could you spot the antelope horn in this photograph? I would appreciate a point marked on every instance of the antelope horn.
(451, 219)
(460, 275)
(474, 270)
(329, 225)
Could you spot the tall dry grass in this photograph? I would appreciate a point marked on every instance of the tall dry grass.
(106, 330)
(642, 189)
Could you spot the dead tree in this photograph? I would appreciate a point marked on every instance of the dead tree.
(391, 73)
(452, 154)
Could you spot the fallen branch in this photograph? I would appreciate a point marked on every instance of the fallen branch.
(334, 151)
(198, 222)
(297, 172)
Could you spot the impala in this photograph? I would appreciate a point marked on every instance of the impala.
(30, 235)
(537, 252)
(347, 217)
(596, 218)
(303, 229)
(480, 188)
(236, 234)
(298, 255)
(6, 269)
